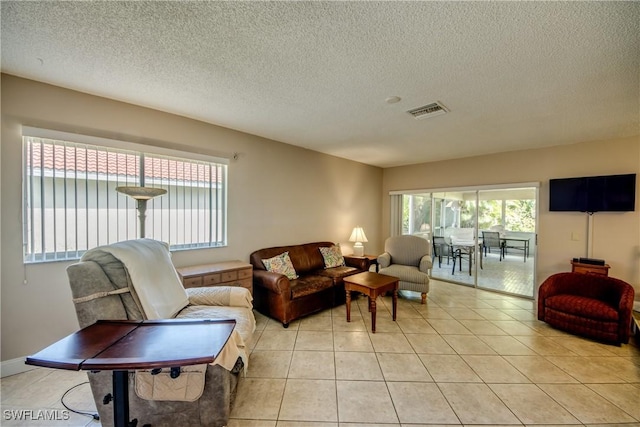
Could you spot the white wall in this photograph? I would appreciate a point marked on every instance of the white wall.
(616, 236)
(278, 195)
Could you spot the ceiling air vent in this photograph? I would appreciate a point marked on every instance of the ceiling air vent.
(431, 110)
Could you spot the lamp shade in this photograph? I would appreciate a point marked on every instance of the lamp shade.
(141, 193)
(357, 235)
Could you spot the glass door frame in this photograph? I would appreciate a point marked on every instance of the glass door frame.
(434, 228)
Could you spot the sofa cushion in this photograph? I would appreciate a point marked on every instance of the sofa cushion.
(245, 320)
(309, 284)
(582, 306)
(332, 256)
(281, 264)
(595, 328)
(406, 273)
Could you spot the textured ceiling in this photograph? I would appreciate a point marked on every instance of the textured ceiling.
(515, 75)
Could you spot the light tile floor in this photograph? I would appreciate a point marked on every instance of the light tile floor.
(467, 357)
(513, 274)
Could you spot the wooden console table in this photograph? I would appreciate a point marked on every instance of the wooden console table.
(226, 273)
(577, 267)
(123, 345)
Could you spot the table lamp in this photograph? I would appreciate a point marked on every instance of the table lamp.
(141, 195)
(358, 236)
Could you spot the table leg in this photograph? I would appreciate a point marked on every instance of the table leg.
(395, 302)
(453, 270)
(121, 400)
(348, 304)
(372, 305)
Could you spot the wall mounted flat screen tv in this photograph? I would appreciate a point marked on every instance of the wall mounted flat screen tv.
(610, 193)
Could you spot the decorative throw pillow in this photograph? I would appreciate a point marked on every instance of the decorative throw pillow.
(281, 264)
(332, 256)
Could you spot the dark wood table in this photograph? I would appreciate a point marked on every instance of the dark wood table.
(373, 259)
(372, 285)
(123, 345)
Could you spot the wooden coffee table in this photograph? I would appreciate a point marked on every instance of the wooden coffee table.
(371, 284)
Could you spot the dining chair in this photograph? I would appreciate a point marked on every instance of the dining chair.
(491, 239)
(441, 248)
(460, 253)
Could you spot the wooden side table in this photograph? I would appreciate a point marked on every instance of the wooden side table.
(373, 259)
(225, 273)
(372, 285)
(578, 267)
(123, 345)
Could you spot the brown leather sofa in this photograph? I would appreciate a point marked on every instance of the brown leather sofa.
(316, 288)
(592, 305)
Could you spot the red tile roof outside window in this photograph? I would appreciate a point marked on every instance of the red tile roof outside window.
(57, 156)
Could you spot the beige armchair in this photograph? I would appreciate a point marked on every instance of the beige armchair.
(104, 288)
(409, 259)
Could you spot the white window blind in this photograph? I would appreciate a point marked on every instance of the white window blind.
(395, 210)
(71, 205)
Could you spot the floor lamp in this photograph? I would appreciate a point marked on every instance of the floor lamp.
(141, 195)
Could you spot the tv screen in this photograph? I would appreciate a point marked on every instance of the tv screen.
(611, 193)
(568, 195)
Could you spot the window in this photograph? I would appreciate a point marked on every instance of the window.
(71, 205)
(416, 213)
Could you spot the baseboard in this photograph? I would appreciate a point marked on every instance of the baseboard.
(13, 367)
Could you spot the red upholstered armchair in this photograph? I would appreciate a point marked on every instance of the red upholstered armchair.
(591, 305)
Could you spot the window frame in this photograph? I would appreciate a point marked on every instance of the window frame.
(215, 214)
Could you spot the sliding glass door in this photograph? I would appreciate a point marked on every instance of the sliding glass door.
(507, 226)
(480, 237)
(455, 236)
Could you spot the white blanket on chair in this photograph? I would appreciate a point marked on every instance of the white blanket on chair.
(153, 276)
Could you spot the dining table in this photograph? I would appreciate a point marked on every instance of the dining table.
(524, 247)
(464, 246)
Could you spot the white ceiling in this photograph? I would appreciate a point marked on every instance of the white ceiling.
(515, 75)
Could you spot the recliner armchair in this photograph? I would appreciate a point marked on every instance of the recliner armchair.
(94, 281)
(409, 259)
